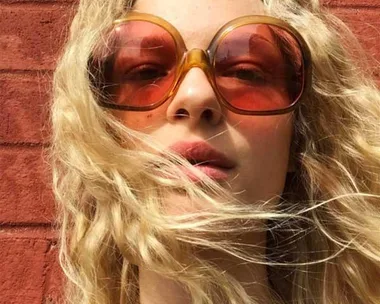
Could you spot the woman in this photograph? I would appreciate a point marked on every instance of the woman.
(200, 156)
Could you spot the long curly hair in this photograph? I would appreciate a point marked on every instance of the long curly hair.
(110, 182)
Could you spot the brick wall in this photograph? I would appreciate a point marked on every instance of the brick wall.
(31, 33)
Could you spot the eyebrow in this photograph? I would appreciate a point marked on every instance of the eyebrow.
(256, 42)
(153, 42)
(256, 37)
(150, 42)
(253, 39)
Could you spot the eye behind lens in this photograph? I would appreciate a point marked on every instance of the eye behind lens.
(259, 67)
(145, 73)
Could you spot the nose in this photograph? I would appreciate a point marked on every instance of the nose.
(195, 101)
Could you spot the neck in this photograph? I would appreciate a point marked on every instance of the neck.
(156, 289)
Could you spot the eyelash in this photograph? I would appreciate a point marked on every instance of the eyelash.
(144, 68)
(242, 71)
(259, 75)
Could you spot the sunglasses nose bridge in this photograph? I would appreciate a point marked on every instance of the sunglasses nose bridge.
(197, 58)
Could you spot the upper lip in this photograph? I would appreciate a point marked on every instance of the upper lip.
(200, 152)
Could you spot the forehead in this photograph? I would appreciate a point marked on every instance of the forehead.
(198, 20)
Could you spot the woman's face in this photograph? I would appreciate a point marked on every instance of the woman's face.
(257, 147)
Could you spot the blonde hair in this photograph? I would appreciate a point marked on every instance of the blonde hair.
(109, 188)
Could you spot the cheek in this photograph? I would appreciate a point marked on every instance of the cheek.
(270, 134)
(264, 143)
(141, 121)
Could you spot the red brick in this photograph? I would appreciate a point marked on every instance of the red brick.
(24, 108)
(31, 36)
(365, 24)
(54, 278)
(353, 3)
(25, 194)
(22, 270)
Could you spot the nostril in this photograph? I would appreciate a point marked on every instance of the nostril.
(182, 113)
(207, 114)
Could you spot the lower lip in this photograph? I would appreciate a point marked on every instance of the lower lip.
(216, 173)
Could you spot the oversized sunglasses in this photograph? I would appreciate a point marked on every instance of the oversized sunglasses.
(256, 65)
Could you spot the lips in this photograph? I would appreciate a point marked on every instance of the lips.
(205, 158)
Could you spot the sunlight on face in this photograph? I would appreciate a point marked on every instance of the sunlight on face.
(256, 147)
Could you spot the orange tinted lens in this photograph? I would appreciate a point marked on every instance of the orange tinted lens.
(141, 68)
(259, 67)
